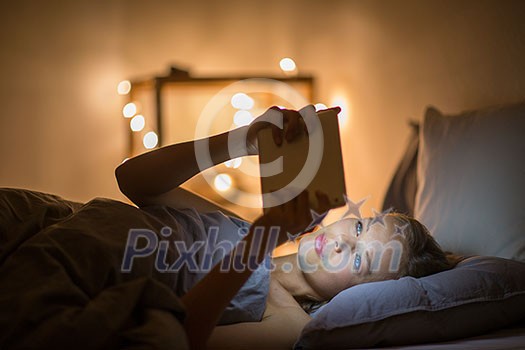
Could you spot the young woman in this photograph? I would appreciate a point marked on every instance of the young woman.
(329, 260)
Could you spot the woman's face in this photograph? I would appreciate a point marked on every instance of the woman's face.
(353, 251)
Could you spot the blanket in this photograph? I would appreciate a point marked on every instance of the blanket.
(67, 280)
(60, 284)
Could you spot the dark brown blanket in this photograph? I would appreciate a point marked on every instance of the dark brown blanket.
(60, 281)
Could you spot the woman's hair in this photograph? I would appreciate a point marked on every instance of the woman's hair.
(425, 256)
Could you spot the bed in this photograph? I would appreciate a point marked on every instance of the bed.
(61, 284)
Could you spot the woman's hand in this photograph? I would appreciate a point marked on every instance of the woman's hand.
(291, 121)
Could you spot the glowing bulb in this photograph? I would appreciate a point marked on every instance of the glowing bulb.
(124, 87)
(287, 64)
(242, 118)
(137, 123)
(150, 140)
(222, 182)
(129, 110)
(320, 106)
(242, 101)
(233, 163)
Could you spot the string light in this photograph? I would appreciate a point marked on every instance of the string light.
(242, 101)
(137, 123)
(129, 110)
(124, 87)
(242, 118)
(320, 106)
(287, 64)
(222, 182)
(150, 140)
(233, 163)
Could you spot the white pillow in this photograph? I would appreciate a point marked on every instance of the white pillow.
(471, 180)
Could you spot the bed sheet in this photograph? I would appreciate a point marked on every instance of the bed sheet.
(511, 338)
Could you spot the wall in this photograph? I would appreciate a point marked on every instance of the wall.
(61, 128)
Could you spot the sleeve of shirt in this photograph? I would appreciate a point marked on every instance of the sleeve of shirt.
(249, 303)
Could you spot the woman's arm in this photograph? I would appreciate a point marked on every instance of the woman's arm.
(146, 177)
(279, 330)
(206, 301)
(280, 327)
(151, 174)
(180, 198)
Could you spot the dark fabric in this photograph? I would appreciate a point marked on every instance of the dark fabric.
(24, 213)
(401, 193)
(61, 279)
(60, 282)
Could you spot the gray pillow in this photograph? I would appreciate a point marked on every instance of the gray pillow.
(471, 180)
(480, 294)
(401, 193)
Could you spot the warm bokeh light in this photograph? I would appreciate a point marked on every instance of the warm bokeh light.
(137, 123)
(124, 87)
(233, 163)
(129, 110)
(340, 101)
(242, 101)
(287, 64)
(242, 118)
(320, 106)
(222, 182)
(150, 140)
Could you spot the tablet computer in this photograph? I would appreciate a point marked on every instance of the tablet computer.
(311, 161)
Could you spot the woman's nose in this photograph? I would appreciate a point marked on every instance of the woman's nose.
(346, 242)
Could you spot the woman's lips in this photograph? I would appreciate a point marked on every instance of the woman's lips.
(319, 244)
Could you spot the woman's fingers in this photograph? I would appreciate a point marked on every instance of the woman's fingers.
(293, 121)
(291, 126)
(277, 132)
(285, 124)
(277, 135)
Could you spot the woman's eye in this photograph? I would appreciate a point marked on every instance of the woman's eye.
(357, 261)
(358, 228)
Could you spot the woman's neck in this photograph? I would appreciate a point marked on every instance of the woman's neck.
(288, 274)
